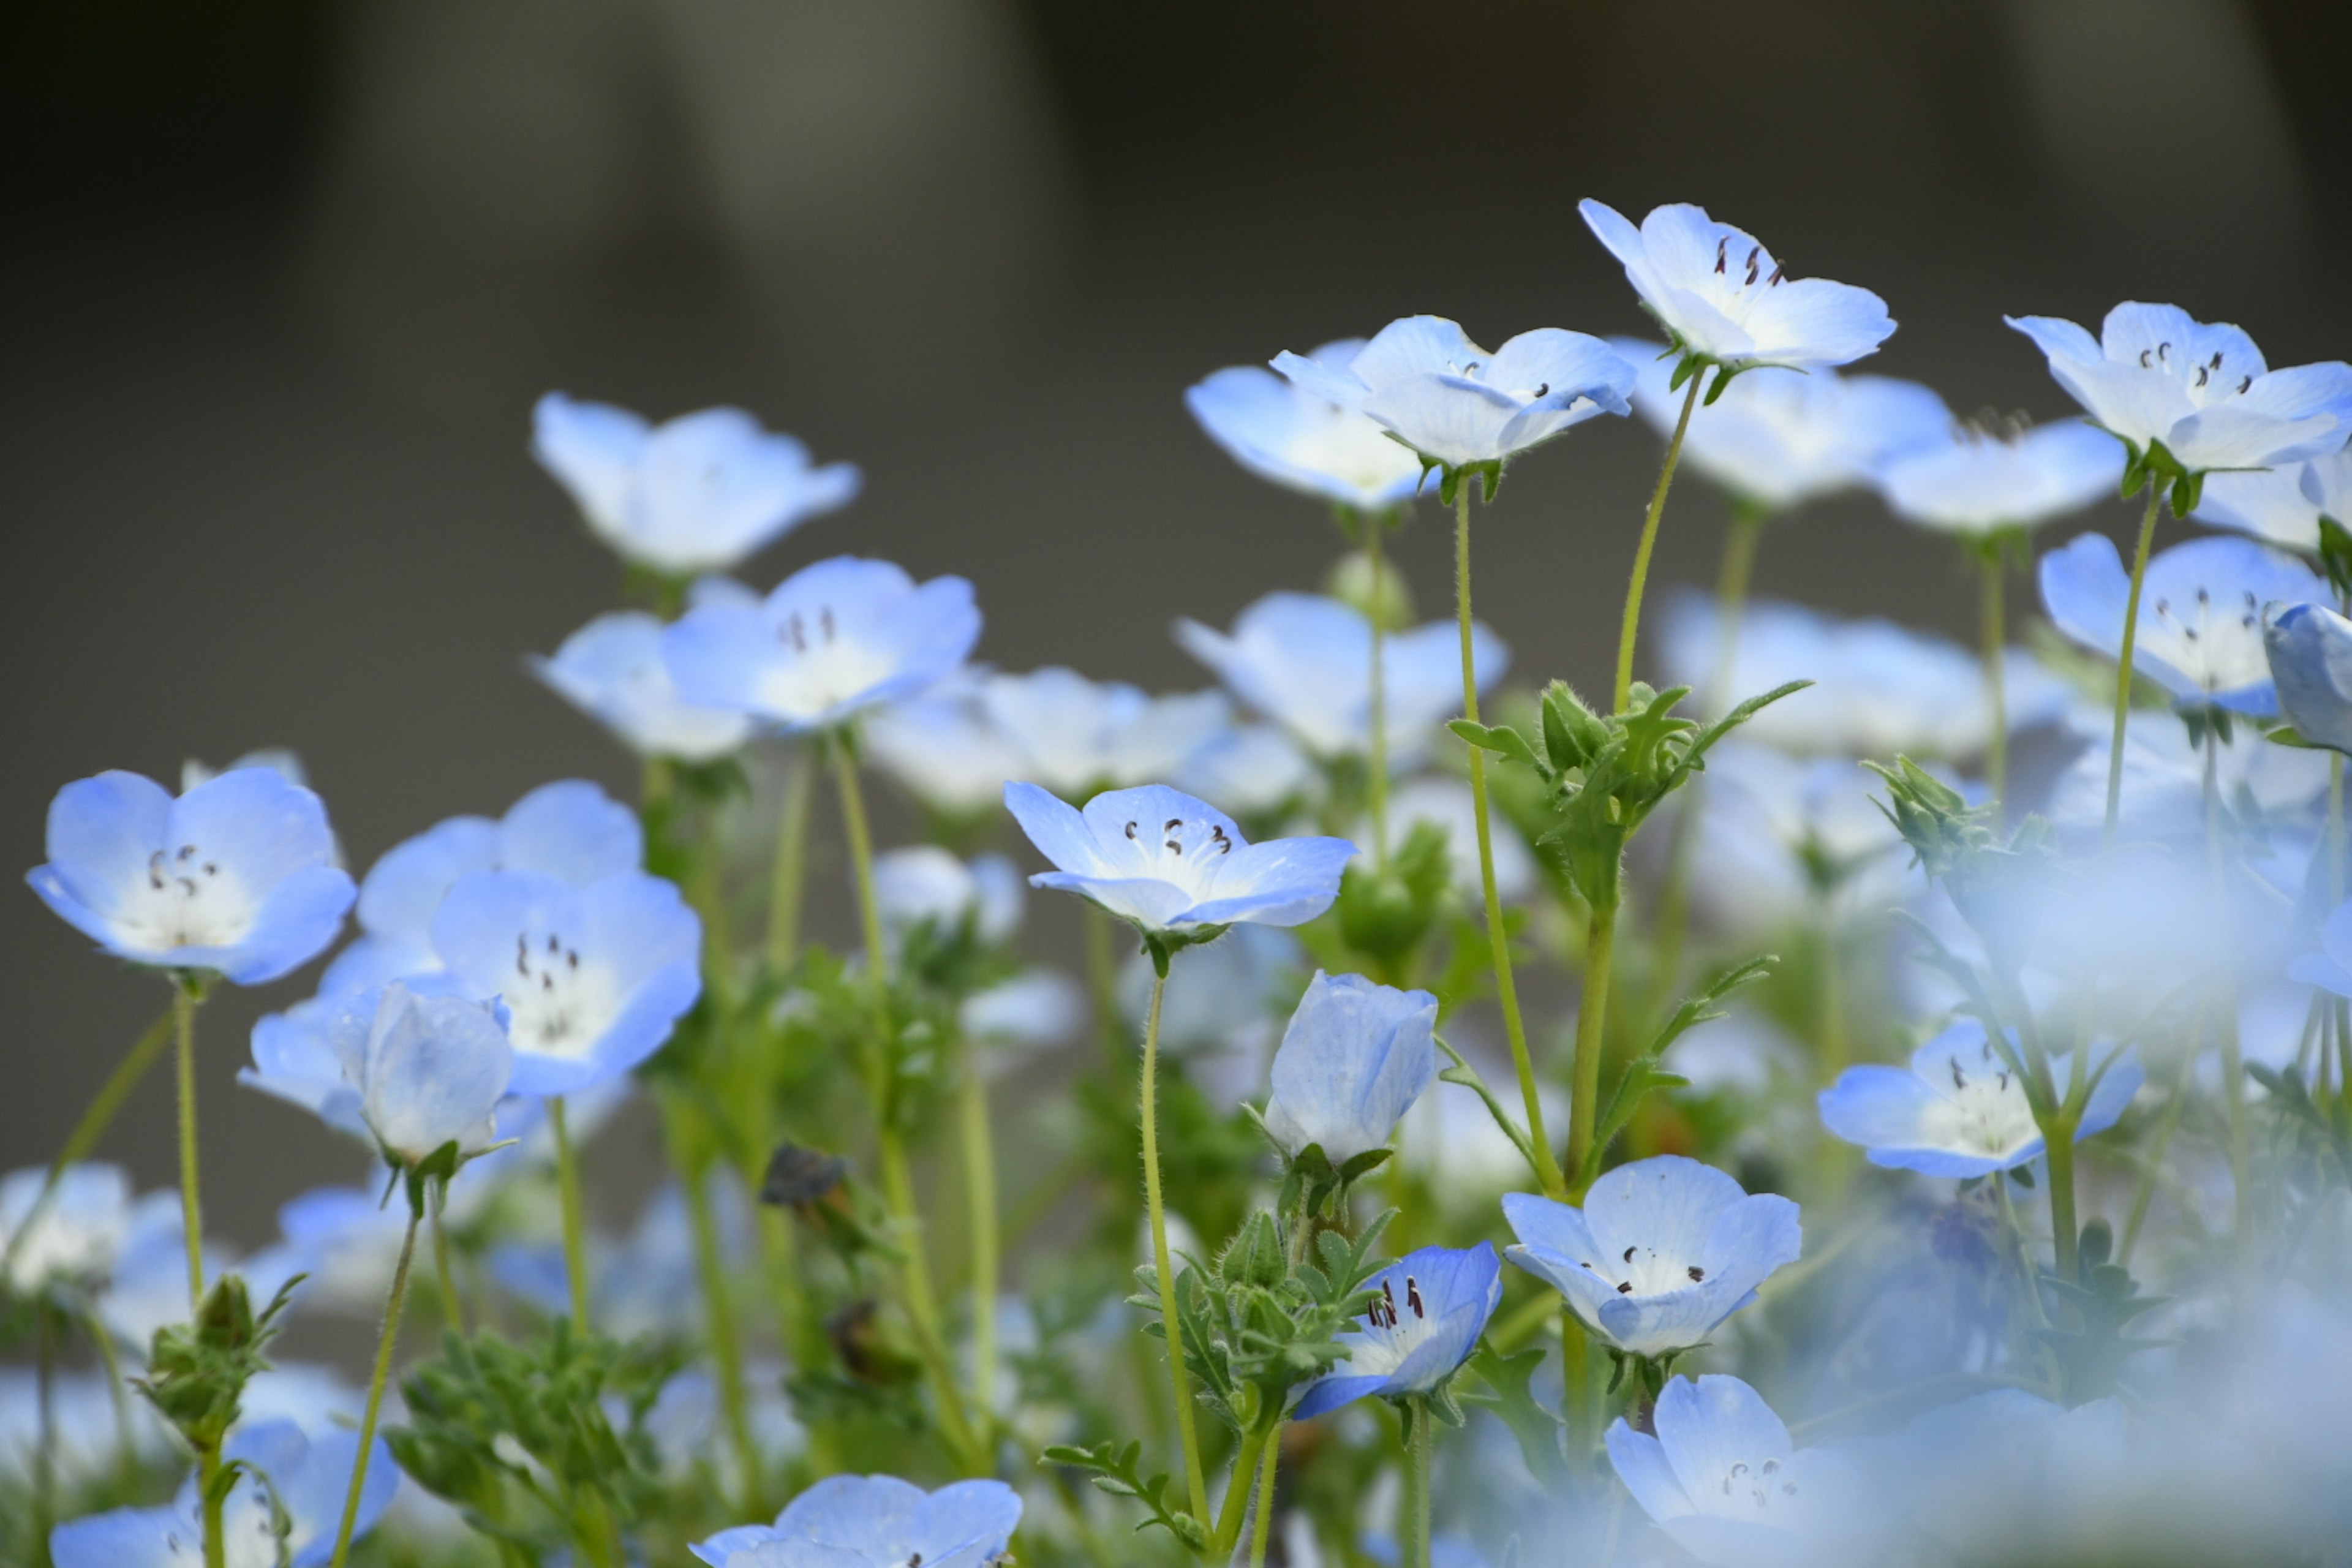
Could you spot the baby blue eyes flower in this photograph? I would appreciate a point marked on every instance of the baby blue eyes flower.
(699, 493)
(1295, 437)
(1957, 1110)
(593, 978)
(1460, 407)
(1974, 481)
(1076, 736)
(1305, 661)
(612, 670)
(833, 640)
(1174, 865)
(1664, 1250)
(2156, 377)
(2283, 505)
(1723, 1480)
(876, 1521)
(2310, 649)
(2201, 614)
(1725, 298)
(1354, 1058)
(406, 1068)
(925, 885)
(237, 876)
(1434, 1305)
(76, 1235)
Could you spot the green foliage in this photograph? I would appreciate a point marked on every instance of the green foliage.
(196, 1372)
(1386, 913)
(1644, 1077)
(1114, 1469)
(1960, 847)
(2101, 1301)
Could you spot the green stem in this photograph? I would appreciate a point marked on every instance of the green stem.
(792, 865)
(1102, 983)
(2066, 1234)
(94, 1121)
(191, 1214)
(214, 1503)
(453, 1310)
(1576, 1389)
(1376, 771)
(1632, 626)
(725, 1351)
(980, 1197)
(1592, 1016)
(383, 1345)
(1263, 1525)
(45, 1467)
(1498, 940)
(1230, 1514)
(575, 1223)
(1991, 625)
(1195, 1480)
(2164, 1130)
(1836, 1041)
(2123, 669)
(1417, 1423)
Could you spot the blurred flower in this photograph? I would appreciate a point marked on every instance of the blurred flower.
(647, 1283)
(2330, 968)
(593, 978)
(1720, 294)
(1169, 863)
(1035, 1007)
(833, 640)
(1722, 1478)
(1444, 802)
(1973, 480)
(2310, 652)
(2164, 774)
(346, 1239)
(2157, 377)
(1300, 439)
(570, 830)
(146, 1284)
(1076, 736)
(925, 885)
(1354, 1058)
(684, 1422)
(1455, 404)
(2283, 505)
(1780, 833)
(235, 876)
(876, 1521)
(411, 1071)
(1957, 1110)
(91, 1419)
(307, 1477)
(1778, 441)
(612, 670)
(2201, 614)
(1878, 689)
(1434, 1305)
(697, 494)
(75, 1238)
(1664, 1250)
(1305, 661)
(945, 751)
(1249, 770)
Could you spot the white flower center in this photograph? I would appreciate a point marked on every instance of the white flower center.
(185, 899)
(1738, 279)
(1178, 850)
(2218, 644)
(559, 1005)
(1476, 370)
(820, 668)
(2207, 381)
(1747, 1486)
(1981, 1107)
(1639, 1270)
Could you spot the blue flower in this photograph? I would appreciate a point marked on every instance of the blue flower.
(2201, 614)
(2155, 376)
(1723, 1480)
(237, 876)
(1355, 1058)
(570, 830)
(307, 1477)
(1778, 441)
(697, 494)
(2330, 968)
(593, 978)
(1434, 1305)
(876, 1521)
(612, 670)
(1957, 1111)
(1297, 437)
(1664, 1250)
(1779, 834)
(1458, 406)
(1173, 864)
(2283, 505)
(1253, 769)
(1305, 661)
(1975, 480)
(944, 750)
(410, 1068)
(1076, 736)
(2310, 649)
(76, 1235)
(925, 885)
(833, 640)
(1723, 298)
(647, 1283)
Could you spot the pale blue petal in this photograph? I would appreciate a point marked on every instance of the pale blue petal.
(1708, 1426)
(2055, 336)
(1412, 346)
(1054, 826)
(298, 920)
(592, 449)
(2310, 649)
(2112, 1098)
(1329, 383)
(257, 821)
(408, 883)
(1665, 1203)
(1639, 1462)
(572, 831)
(2085, 589)
(129, 1538)
(102, 832)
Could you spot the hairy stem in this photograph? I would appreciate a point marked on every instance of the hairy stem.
(575, 1224)
(1264, 1524)
(1592, 1016)
(383, 1345)
(1232, 1512)
(192, 1208)
(1417, 1435)
(1631, 627)
(790, 866)
(2123, 669)
(1195, 1482)
(453, 1310)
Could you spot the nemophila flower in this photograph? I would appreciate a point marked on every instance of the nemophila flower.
(1721, 1476)
(1171, 864)
(1458, 406)
(2283, 505)
(1878, 688)
(1076, 736)
(944, 750)
(1723, 297)
(833, 640)
(237, 876)
(1976, 479)
(612, 670)
(876, 1521)
(1305, 661)
(2310, 651)
(925, 885)
(593, 978)
(1779, 834)
(406, 1068)
(570, 830)
(75, 1236)
(2201, 614)
(2156, 378)
(1434, 1305)
(1248, 770)
(1663, 1250)
(1778, 441)
(1301, 439)
(2164, 774)
(307, 1477)
(1036, 1008)
(1354, 1058)
(699, 493)
(1958, 1110)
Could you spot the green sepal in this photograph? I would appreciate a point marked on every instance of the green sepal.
(1114, 1469)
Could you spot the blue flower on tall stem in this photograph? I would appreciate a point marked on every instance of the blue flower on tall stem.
(1434, 1304)
(699, 493)
(612, 670)
(1354, 1058)
(2310, 651)
(876, 1521)
(1300, 438)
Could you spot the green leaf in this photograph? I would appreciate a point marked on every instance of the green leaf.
(1463, 1073)
(1497, 738)
(1507, 1393)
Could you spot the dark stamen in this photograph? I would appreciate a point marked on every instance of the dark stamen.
(1696, 1273)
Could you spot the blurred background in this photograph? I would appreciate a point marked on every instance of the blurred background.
(282, 277)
